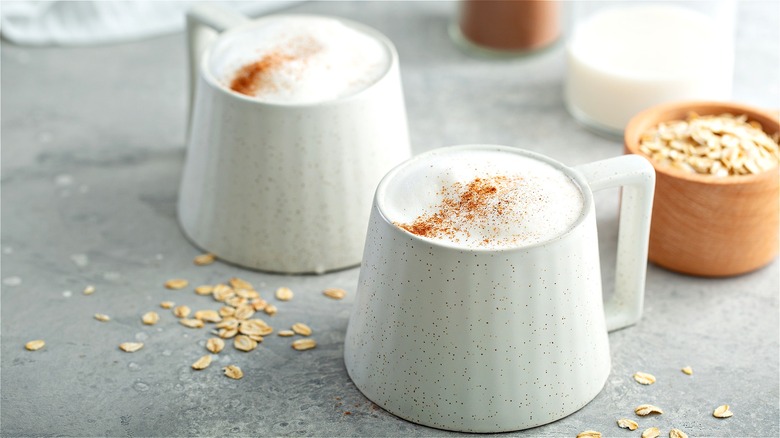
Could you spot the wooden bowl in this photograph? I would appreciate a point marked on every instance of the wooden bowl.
(705, 225)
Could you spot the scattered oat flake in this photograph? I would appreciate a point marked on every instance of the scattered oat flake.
(286, 333)
(102, 317)
(258, 304)
(722, 411)
(222, 292)
(176, 283)
(167, 304)
(204, 289)
(335, 293)
(643, 410)
(304, 344)
(677, 433)
(229, 323)
(254, 327)
(238, 283)
(191, 323)
(204, 259)
(589, 434)
(256, 338)
(625, 423)
(270, 310)
(244, 312)
(131, 347)
(35, 345)
(150, 318)
(226, 311)
(284, 294)
(247, 294)
(651, 432)
(181, 311)
(227, 333)
(301, 328)
(233, 372)
(244, 343)
(89, 290)
(208, 316)
(215, 345)
(202, 363)
(644, 378)
(687, 370)
(236, 301)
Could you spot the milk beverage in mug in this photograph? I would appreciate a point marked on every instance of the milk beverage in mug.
(477, 201)
(301, 60)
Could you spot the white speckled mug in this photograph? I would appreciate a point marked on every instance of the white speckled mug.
(493, 340)
(283, 187)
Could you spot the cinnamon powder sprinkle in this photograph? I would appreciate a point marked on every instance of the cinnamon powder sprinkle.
(482, 202)
(255, 78)
(251, 78)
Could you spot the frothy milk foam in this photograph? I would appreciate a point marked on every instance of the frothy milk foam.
(299, 60)
(482, 199)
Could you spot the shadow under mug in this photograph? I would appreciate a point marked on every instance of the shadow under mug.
(283, 187)
(494, 340)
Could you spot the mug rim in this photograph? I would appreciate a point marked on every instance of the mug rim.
(578, 179)
(214, 82)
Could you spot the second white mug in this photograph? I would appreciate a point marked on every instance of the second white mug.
(276, 186)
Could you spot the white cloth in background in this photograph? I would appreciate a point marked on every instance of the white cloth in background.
(74, 23)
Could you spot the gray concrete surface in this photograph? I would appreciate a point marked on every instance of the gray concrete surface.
(92, 149)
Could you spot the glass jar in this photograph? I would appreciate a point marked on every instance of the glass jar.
(503, 28)
(623, 57)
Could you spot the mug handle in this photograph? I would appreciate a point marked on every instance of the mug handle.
(204, 22)
(637, 177)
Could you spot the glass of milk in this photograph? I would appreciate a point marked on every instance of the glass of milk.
(623, 57)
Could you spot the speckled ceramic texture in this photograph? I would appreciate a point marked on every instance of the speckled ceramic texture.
(288, 188)
(482, 340)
